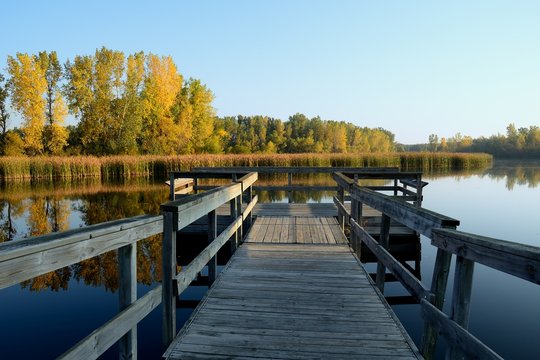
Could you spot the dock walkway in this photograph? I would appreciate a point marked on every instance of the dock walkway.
(293, 290)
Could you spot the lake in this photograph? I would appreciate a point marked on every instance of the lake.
(58, 309)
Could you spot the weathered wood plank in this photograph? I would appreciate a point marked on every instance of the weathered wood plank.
(168, 270)
(418, 219)
(515, 259)
(456, 335)
(296, 170)
(408, 280)
(127, 295)
(184, 278)
(193, 207)
(384, 243)
(104, 337)
(25, 259)
(270, 291)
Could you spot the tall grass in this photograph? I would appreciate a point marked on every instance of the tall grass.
(117, 167)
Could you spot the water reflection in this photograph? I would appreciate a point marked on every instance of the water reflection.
(38, 208)
(513, 172)
(522, 173)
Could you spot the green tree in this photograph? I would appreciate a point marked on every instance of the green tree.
(433, 142)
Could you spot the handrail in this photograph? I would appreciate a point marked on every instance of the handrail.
(294, 170)
(101, 339)
(411, 283)
(25, 259)
(182, 212)
(520, 260)
(418, 219)
(469, 345)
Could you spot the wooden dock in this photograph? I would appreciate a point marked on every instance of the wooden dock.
(293, 290)
(294, 287)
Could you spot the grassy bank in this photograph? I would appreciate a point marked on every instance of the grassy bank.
(114, 167)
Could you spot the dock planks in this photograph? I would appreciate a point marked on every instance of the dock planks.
(293, 290)
(293, 230)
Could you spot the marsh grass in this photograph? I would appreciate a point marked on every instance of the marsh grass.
(125, 167)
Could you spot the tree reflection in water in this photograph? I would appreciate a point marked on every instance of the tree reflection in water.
(41, 212)
(36, 209)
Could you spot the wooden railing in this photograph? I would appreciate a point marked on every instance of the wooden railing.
(27, 258)
(522, 261)
(180, 213)
(407, 185)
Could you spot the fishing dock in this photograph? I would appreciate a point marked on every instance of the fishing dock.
(292, 284)
(293, 290)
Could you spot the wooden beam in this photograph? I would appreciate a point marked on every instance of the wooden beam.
(461, 298)
(456, 335)
(512, 258)
(439, 283)
(418, 219)
(101, 339)
(194, 207)
(291, 169)
(384, 239)
(25, 259)
(168, 254)
(343, 215)
(249, 208)
(189, 272)
(127, 294)
(212, 234)
(407, 279)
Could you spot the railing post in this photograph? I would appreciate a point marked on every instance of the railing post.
(171, 186)
(170, 223)
(250, 199)
(384, 238)
(233, 214)
(195, 185)
(354, 216)
(461, 297)
(212, 234)
(359, 222)
(395, 186)
(419, 188)
(341, 216)
(240, 232)
(127, 292)
(289, 183)
(439, 283)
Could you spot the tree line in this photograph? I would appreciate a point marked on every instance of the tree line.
(517, 142)
(141, 104)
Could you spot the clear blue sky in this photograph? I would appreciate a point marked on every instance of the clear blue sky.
(412, 67)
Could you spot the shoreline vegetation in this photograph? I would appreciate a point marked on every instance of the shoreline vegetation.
(50, 168)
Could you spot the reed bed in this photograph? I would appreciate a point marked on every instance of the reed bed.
(149, 166)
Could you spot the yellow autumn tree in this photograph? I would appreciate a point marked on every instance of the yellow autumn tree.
(162, 85)
(55, 134)
(27, 88)
(94, 92)
(195, 116)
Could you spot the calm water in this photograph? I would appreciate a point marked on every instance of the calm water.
(57, 310)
